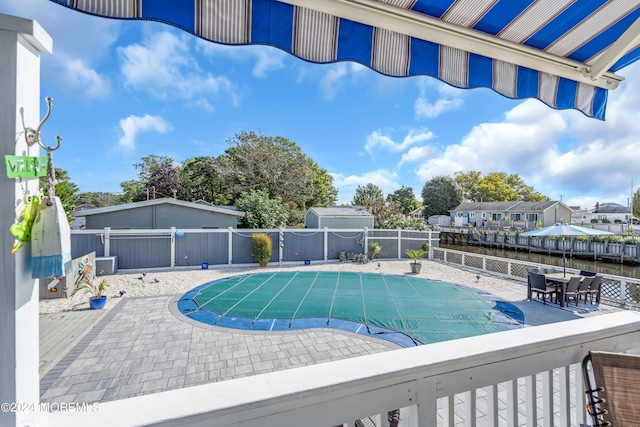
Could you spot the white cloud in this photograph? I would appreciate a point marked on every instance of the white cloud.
(523, 143)
(347, 184)
(425, 109)
(416, 154)
(378, 140)
(267, 58)
(78, 76)
(164, 67)
(560, 153)
(133, 125)
(332, 81)
(449, 99)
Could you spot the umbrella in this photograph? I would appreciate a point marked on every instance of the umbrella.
(562, 229)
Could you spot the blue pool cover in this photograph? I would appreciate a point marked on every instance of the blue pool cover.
(406, 310)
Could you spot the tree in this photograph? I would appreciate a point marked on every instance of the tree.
(165, 180)
(635, 204)
(261, 211)
(439, 195)
(273, 164)
(202, 180)
(135, 189)
(406, 198)
(371, 198)
(65, 190)
(405, 222)
(365, 195)
(495, 187)
(324, 193)
(98, 199)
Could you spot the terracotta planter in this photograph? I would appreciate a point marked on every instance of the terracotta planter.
(263, 264)
(415, 267)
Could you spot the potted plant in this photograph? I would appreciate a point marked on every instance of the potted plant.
(414, 254)
(374, 249)
(97, 299)
(262, 247)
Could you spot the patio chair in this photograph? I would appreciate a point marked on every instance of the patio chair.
(572, 290)
(594, 289)
(612, 382)
(540, 287)
(587, 273)
(584, 288)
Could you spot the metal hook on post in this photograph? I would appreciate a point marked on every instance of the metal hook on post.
(51, 172)
(33, 136)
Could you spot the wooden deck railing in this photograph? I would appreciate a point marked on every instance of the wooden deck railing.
(509, 378)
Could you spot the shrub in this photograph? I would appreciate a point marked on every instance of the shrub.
(374, 249)
(262, 247)
(90, 287)
(414, 254)
(594, 221)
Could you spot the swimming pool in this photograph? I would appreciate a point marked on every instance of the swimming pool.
(407, 310)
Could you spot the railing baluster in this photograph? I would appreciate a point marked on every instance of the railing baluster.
(531, 401)
(581, 408)
(449, 418)
(512, 403)
(564, 395)
(470, 408)
(547, 398)
(492, 405)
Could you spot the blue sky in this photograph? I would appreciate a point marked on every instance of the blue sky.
(127, 89)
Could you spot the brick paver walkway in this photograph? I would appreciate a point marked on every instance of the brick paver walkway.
(141, 347)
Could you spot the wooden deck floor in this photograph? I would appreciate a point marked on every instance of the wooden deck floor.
(60, 332)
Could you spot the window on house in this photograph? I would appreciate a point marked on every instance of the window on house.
(532, 217)
(515, 217)
(472, 214)
(496, 216)
(484, 215)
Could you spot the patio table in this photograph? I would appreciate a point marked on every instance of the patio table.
(561, 280)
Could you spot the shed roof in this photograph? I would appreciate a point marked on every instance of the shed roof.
(153, 202)
(506, 206)
(613, 210)
(341, 211)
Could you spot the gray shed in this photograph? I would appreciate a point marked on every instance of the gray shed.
(338, 217)
(161, 214)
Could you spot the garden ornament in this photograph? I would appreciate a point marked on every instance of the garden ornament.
(50, 235)
(22, 229)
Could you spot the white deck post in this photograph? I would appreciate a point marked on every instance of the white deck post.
(230, 247)
(172, 263)
(21, 43)
(107, 241)
(326, 244)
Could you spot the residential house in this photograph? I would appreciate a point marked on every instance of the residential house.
(520, 214)
(612, 212)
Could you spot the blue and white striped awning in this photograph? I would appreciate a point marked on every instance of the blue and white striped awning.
(563, 52)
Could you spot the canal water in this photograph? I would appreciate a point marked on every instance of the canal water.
(538, 258)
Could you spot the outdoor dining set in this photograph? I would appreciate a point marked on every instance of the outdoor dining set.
(547, 282)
